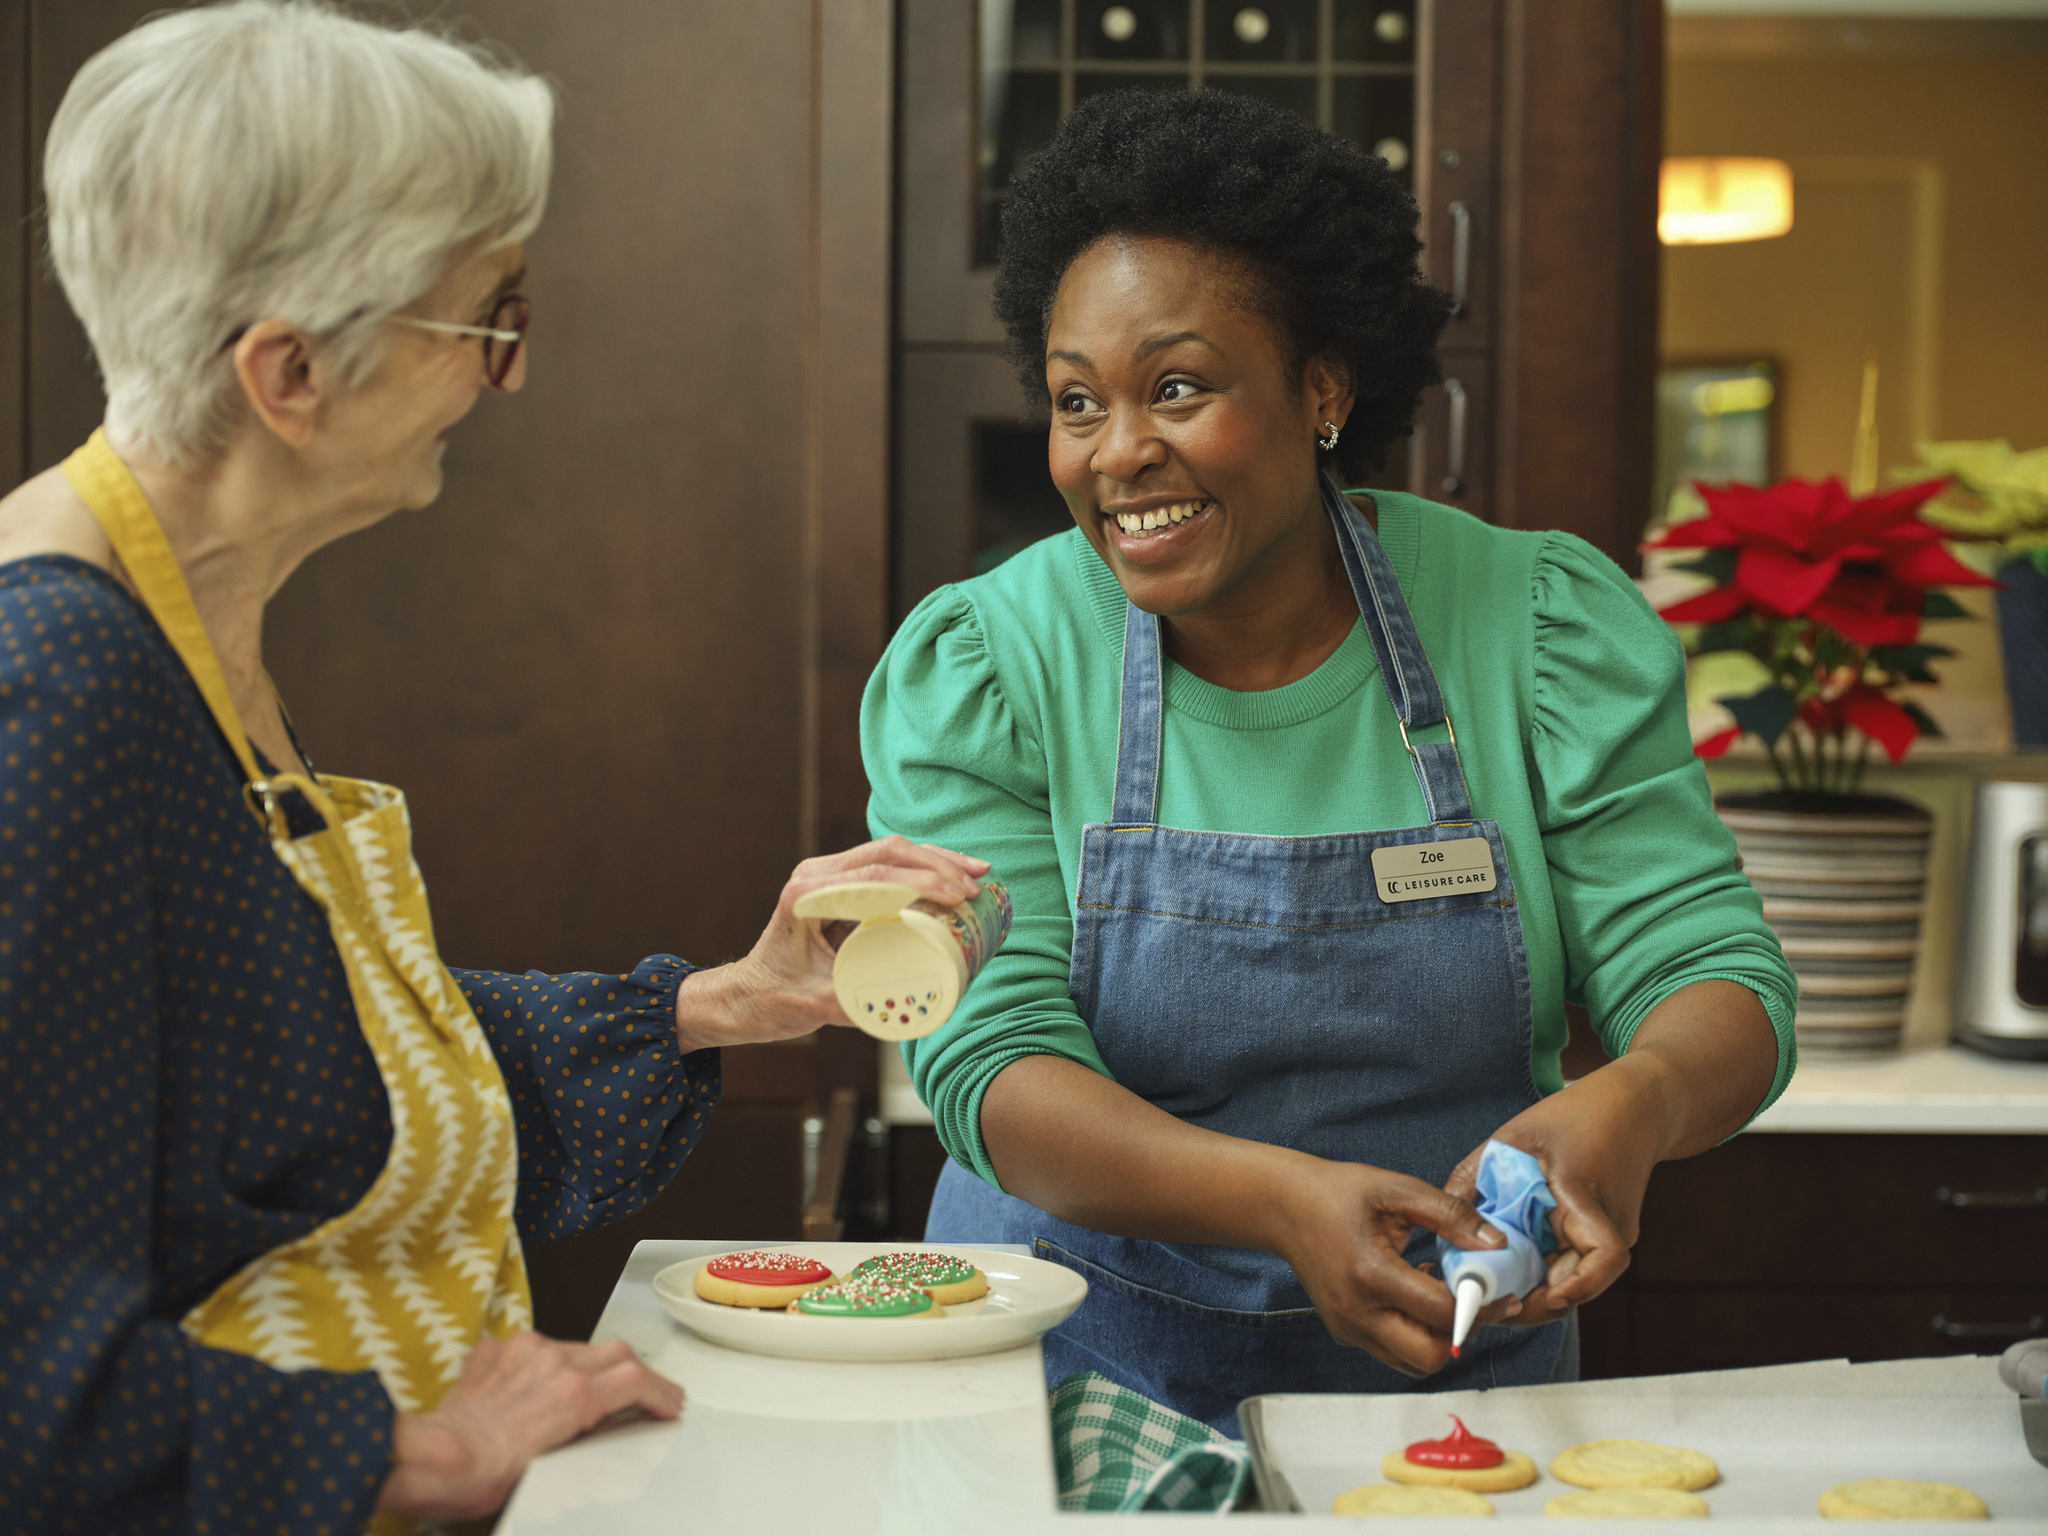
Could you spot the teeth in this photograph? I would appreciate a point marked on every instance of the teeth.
(1145, 522)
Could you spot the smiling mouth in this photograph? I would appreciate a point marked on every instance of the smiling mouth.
(1139, 524)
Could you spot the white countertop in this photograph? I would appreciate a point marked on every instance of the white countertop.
(766, 1446)
(1939, 1089)
(937, 1448)
(1945, 1089)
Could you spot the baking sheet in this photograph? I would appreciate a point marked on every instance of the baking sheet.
(1782, 1435)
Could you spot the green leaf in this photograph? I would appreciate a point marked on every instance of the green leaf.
(1832, 651)
(1717, 563)
(1921, 718)
(1729, 635)
(2040, 559)
(1939, 605)
(1910, 661)
(1764, 714)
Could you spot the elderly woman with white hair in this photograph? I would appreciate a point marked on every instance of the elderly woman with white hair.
(268, 1160)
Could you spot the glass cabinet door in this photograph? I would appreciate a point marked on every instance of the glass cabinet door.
(1346, 65)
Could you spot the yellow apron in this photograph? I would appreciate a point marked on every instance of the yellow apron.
(405, 1283)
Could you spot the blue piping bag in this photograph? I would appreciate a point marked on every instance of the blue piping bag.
(1515, 1200)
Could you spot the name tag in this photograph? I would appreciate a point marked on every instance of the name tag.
(1417, 870)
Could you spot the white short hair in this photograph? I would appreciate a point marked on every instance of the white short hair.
(273, 159)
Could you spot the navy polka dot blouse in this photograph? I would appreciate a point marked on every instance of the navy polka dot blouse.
(183, 1086)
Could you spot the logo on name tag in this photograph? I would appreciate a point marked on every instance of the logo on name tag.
(1418, 870)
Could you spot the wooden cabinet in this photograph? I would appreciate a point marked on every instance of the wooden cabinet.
(1776, 1248)
(1528, 129)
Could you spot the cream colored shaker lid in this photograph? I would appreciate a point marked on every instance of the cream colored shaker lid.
(857, 901)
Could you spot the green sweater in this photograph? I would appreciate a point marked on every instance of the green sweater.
(991, 727)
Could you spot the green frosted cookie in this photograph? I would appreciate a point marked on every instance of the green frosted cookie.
(853, 1299)
(950, 1280)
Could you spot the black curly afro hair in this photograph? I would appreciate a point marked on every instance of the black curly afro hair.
(1325, 233)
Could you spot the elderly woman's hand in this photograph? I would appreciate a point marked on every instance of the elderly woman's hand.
(783, 988)
(515, 1398)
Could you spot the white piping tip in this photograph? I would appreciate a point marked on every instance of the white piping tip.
(1471, 1294)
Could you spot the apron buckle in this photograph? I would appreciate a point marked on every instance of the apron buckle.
(1410, 746)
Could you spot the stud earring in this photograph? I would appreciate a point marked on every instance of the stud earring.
(1329, 442)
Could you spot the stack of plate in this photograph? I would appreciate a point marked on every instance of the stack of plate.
(1844, 891)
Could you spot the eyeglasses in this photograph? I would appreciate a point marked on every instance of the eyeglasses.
(509, 317)
(502, 336)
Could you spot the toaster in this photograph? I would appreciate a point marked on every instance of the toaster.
(2002, 960)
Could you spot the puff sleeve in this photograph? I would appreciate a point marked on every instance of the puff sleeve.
(606, 1102)
(1650, 895)
(950, 761)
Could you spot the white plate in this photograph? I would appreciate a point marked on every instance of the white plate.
(1026, 1297)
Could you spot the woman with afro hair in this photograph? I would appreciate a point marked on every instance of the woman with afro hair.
(1288, 951)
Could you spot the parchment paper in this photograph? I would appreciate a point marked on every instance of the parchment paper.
(1781, 1435)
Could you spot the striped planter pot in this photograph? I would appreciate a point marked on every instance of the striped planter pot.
(1844, 880)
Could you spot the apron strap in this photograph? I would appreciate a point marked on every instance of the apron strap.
(1404, 667)
(1140, 722)
(1404, 671)
(107, 488)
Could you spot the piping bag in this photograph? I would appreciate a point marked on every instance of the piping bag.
(1515, 1200)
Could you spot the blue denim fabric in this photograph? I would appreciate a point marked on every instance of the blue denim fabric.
(1259, 986)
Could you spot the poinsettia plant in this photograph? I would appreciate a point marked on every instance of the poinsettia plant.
(1828, 591)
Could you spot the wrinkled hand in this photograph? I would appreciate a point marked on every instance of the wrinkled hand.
(783, 988)
(1347, 1226)
(515, 1398)
(1598, 1142)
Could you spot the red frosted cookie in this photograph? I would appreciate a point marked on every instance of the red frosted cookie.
(758, 1277)
(1460, 1460)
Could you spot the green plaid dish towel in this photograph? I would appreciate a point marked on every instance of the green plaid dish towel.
(1118, 1450)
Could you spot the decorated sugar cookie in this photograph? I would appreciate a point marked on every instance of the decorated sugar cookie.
(1460, 1460)
(857, 1300)
(949, 1280)
(758, 1277)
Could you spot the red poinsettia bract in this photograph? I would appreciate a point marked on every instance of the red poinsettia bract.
(1861, 565)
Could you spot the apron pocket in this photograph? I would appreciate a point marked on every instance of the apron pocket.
(1288, 1319)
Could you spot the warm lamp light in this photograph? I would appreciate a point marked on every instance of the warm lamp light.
(1710, 199)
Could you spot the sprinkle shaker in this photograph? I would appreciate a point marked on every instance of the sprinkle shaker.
(900, 974)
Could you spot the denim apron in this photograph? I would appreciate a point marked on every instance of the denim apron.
(1260, 987)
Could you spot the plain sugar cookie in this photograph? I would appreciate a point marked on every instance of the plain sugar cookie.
(1898, 1498)
(1402, 1500)
(1514, 1471)
(1633, 1464)
(1627, 1504)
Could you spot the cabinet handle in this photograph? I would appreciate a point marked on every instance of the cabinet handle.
(1461, 257)
(1454, 466)
(2017, 1330)
(1993, 1199)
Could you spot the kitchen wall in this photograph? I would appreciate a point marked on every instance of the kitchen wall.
(1921, 219)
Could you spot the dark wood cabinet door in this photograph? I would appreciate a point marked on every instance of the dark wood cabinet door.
(1451, 454)
(1457, 160)
(1828, 1211)
(1726, 1330)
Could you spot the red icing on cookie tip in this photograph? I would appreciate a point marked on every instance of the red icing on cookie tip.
(1460, 1448)
(759, 1267)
